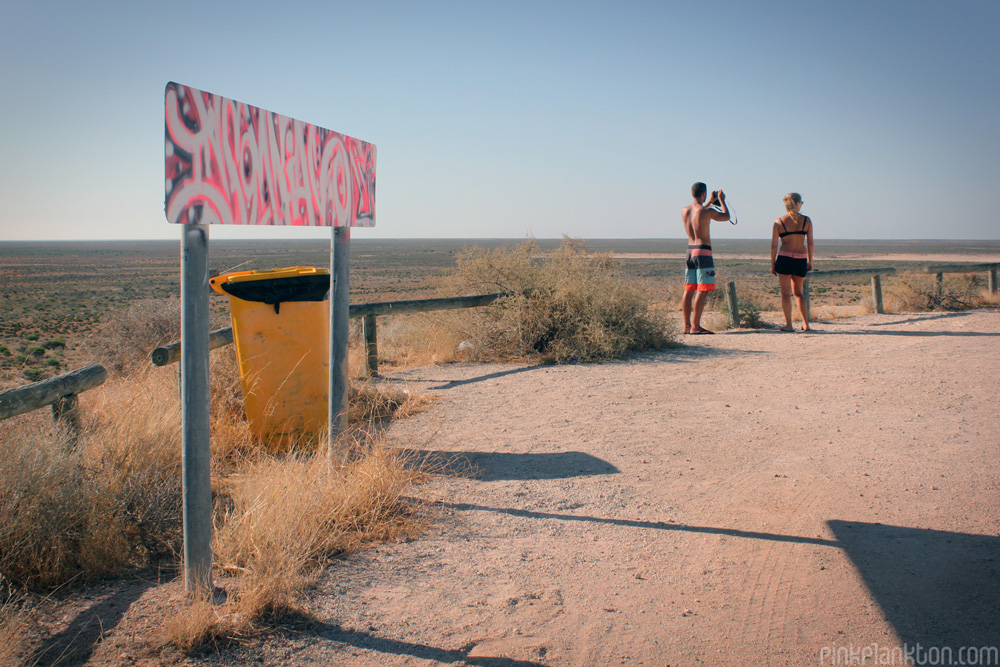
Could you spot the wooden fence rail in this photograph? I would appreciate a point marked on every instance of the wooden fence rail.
(171, 353)
(875, 273)
(940, 269)
(60, 392)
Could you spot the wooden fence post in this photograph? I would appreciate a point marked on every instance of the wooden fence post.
(993, 281)
(368, 327)
(66, 414)
(734, 306)
(940, 285)
(877, 294)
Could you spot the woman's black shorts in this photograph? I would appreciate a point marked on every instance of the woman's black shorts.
(791, 266)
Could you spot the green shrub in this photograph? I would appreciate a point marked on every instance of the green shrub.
(33, 374)
(33, 336)
(54, 344)
(749, 312)
(36, 351)
(569, 305)
(4, 351)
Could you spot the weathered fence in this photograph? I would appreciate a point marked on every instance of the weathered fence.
(169, 354)
(60, 392)
(940, 269)
(875, 273)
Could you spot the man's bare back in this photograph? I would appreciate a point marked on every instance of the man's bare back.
(697, 217)
(699, 275)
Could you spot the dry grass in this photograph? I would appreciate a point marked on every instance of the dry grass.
(285, 517)
(114, 502)
(915, 293)
(14, 627)
(405, 341)
(567, 305)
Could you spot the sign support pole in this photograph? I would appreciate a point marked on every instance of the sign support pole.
(196, 454)
(339, 331)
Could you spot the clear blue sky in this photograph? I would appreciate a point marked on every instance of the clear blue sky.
(507, 119)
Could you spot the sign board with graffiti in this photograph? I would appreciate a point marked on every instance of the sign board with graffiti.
(232, 163)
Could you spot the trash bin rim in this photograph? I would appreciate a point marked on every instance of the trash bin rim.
(264, 274)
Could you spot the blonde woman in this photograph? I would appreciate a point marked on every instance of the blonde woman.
(792, 257)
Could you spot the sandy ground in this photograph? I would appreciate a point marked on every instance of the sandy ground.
(751, 498)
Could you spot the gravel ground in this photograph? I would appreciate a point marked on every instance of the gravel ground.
(753, 497)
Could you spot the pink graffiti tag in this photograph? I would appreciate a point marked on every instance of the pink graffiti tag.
(232, 163)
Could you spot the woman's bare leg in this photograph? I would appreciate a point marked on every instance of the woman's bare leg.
(800, 300)
(786, 300)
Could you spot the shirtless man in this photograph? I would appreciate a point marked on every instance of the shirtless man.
(699, 277)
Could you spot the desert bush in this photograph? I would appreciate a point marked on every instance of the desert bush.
(921, 293)
(115, 501)
(128, 336)
(33, 374)
(750, 312)
(566, 306)
(111, 502)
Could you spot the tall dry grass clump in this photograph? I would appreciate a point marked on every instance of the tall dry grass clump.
(14, 626)
(913, 294)
(114, 501)
(284, 517)
(110, 502)
(405, 341)
(564, 306)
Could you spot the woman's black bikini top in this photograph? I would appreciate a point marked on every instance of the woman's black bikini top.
(788, 233)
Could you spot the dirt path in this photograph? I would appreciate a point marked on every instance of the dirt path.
(752, 498)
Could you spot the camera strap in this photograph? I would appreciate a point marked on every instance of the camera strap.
(732, 212)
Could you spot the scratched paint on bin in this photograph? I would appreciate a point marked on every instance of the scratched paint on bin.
(227, 162)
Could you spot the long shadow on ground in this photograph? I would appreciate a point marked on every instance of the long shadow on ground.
(938, 589)
(357, 639)
(631, 523)
(497, 466)
(75, 645)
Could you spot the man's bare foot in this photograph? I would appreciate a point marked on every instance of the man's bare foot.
(687, 330)
(786, 329)
(806, 328)
(699, 332)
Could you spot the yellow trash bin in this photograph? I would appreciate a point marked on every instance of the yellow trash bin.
(281, 328)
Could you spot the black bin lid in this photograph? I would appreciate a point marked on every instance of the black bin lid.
(272, 291)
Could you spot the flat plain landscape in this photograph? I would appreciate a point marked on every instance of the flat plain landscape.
(54, 296)
(747, 498)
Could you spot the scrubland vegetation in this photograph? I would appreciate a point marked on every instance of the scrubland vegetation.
(112, 503)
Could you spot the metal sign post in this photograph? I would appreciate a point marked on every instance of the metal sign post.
(196, 453)
(339, 330)
(231, 163)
